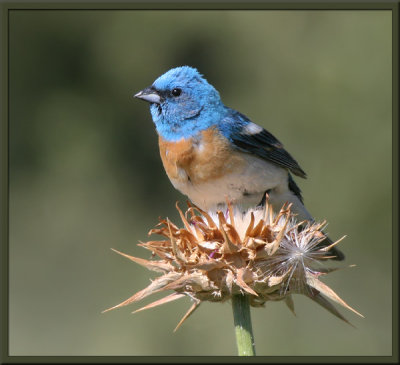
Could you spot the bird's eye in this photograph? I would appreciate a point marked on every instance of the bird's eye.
(176, 92)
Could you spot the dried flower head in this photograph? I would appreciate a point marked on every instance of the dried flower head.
(219, 254)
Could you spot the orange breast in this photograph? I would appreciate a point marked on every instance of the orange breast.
(199, 159)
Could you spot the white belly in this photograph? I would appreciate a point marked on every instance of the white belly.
(245, 187)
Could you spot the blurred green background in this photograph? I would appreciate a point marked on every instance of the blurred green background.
(85, 171)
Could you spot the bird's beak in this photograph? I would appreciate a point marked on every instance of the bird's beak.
(149, 94)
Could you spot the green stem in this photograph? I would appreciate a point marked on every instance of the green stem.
(242, 322)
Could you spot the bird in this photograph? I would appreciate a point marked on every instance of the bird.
(212, 152)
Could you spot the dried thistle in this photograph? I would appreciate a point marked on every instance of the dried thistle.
(218, 255)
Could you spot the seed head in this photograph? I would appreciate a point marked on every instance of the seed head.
(218, 254)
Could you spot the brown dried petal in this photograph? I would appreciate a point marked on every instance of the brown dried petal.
(241, 275)
(159, 266)
(157, 285)
(167, 299)
(188, 313)
(328, 292)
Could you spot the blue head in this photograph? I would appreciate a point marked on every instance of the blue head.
(182, 103)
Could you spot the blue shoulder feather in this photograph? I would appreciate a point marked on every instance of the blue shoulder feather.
(258, 141)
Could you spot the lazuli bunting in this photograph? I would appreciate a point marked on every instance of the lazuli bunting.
(211, 152)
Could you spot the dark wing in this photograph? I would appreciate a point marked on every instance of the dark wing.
(250, 137)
